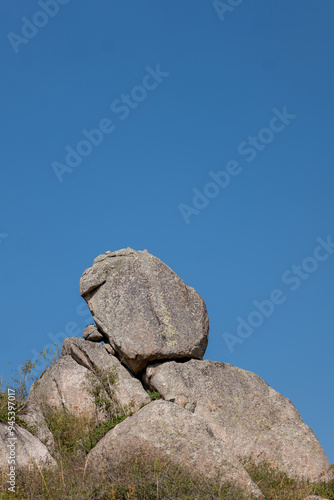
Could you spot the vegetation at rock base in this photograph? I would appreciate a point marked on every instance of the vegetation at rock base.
(76, 435)
(139, 479)
(276, 485)
(136, 480)
(148, 480)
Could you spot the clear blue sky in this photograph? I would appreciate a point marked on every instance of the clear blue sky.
(180, 90)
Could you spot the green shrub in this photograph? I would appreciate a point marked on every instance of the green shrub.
(96, 432)
(68, 430)
(154, 395)
(101, 385)
(325, 490)
(78, 434)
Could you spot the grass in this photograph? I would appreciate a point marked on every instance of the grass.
(154, 395)
(77, 435)
(154, 479)
(276, 485)
(138, 479)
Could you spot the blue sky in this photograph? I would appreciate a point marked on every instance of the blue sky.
(183, 95)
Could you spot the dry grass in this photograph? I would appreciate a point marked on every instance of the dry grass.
(137, 480)
(154, 479)
(276, 485)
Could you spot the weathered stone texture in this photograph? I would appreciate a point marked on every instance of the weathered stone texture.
(163, 429)
(244, 411)
(147, 311)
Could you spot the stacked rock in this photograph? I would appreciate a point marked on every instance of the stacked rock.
(91, 333)
(144, 309)
(155, 332)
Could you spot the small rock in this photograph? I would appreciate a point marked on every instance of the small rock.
(95, 357)
(109, 349)
(91, 333)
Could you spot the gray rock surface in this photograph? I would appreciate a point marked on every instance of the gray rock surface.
(32, 415)
(147, 311)
(244, 411)
(128, 389)
(91, 333)
(28, 449)
(163, 429)
(65, 385)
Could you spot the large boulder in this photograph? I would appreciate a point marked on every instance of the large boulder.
(86, 370)
(128, 390)
(244, 411)
(22, 447)
(146, 311)
(163, 429)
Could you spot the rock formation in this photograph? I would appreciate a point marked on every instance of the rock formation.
(67, 383)
(164, 429)
(145, 310)
(211, 415)
(244, 411)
